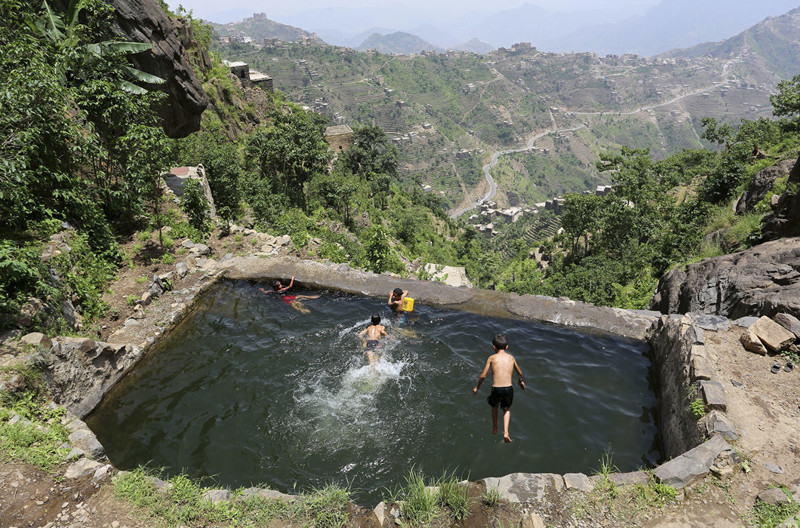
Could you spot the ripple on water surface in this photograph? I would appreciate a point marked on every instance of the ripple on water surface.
(250, 391)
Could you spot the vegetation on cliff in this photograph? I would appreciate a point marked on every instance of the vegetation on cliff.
(81, 151)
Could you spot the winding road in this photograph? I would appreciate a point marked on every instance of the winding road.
(529, 144)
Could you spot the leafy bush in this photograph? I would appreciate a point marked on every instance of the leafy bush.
(195, 205)
(378, 253)
(697, 408)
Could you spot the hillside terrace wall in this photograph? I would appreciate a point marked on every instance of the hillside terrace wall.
(86, 370)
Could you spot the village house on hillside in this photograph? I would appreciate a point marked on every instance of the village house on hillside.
(339, 137)
(250, 77)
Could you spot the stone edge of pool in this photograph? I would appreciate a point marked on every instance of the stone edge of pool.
(341, 277)
(87, 370)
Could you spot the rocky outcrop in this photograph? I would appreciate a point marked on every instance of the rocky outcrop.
(145, 21)
(82, 371)
(761, 185)
(763, 280)
(784, 221)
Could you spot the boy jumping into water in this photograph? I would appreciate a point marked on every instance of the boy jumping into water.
(373, 335)
(291, 300)
(503, 365)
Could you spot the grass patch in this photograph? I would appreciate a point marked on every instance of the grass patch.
(770, 515)
(454, 497)
(181, 503)
(420, 502)
(745, 231)
(620, 504)
(37, 433)
(491, 497)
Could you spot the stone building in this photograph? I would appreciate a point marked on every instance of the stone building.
(339, 137)
(250, 77)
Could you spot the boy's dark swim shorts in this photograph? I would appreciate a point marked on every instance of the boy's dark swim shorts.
(504, 396)
(372, 344)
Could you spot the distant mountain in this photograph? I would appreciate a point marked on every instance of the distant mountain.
(348, 40)
(259, 27)
(398, 42)
(475, 46)
(537, 25)
(670, 24)
(776, 41)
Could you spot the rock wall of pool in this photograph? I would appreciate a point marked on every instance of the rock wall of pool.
(302, 406)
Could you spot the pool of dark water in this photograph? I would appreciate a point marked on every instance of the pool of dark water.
(248, 390)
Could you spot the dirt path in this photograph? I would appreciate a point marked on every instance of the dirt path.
(31, 497)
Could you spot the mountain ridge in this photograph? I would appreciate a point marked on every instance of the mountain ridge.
(398, 42)
(774, 40)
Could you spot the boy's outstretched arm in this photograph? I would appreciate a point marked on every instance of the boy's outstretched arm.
(519, 373)
(483, 376)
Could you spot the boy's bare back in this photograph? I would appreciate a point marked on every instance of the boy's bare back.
(376, 331)
(502, 364)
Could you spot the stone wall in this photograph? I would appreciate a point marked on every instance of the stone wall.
(672, 343)
(684, 372)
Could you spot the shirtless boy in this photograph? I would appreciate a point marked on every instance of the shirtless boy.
(396, 297)
(371, 336)
(503, 365)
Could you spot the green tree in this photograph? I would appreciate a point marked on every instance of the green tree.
(582, 215)
(152, 153)
(719, 133)
(290, 151)
(371, 154)
(195, 205)
(378, 254)
(223, 169)
(786, 103)
(334, 191)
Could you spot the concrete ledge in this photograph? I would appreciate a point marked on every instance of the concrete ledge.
(341, 277)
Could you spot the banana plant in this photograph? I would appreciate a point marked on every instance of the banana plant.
(65, 35)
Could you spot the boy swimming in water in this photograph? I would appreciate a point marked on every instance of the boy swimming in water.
(396, 297)
(503, 365)
(291, 300)
(371, 336)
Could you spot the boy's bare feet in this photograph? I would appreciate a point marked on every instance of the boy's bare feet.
(506, 439)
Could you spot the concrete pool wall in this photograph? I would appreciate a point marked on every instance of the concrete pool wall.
(85, 370)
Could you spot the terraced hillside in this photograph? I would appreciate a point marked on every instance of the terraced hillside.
(449, 112)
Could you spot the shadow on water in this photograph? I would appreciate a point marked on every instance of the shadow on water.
(251, 391)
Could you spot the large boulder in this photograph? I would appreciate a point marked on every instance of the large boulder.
(761, 185)
(784, 221)
(146, 21)
(762, 280)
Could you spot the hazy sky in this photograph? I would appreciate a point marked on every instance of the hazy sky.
(232, 10)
